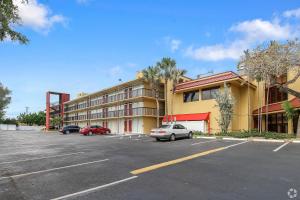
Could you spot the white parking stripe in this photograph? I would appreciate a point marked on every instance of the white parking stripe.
(95, 188)
(281, 146)
(233, 145)
(31, 151)
(40, 158)
(53, 169)
(203, 142)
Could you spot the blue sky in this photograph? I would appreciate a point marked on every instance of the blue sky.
(86, 45)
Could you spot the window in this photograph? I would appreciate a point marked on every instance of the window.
(209, 93)
(275, 95)
(180, 126)
(191, 96)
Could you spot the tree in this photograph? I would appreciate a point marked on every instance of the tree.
(175, 77)
(30, 119)
(56, 121)
(225, 103)
(290, 112)
(5, 99)
(272, 61)
(8, 18)
(167, 66)
(152, 75)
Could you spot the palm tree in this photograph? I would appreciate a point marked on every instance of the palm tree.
(167, 66)
(152, 75)
(175, 77)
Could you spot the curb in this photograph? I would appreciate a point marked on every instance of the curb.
(236, 139)
(247, 139)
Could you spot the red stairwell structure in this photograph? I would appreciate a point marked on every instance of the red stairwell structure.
(63, 97)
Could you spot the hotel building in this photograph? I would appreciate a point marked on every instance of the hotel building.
(125, 108)
(131, 108)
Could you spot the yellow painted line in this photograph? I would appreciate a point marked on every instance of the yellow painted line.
(176, 161)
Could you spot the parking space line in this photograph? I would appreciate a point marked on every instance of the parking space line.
(24, 152)
(52, 169)
(179, 160)
(40, 158)
(95, 188)
(281, 146)
(203, 142)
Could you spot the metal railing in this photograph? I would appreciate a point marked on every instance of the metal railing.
(118, 97)
(134, 112)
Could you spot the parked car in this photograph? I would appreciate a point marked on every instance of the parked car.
(70, 129)
(171, 132)
(90, 130)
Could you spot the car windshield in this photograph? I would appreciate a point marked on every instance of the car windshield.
(165, 126)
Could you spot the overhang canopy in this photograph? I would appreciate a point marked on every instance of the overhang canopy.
(188, 117)
(277, 107)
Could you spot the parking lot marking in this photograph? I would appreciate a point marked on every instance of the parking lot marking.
(24, 152)
(52, 169)
(179, 160)
(203, 142)
(40, 158)
(95, 188)
(281, 146)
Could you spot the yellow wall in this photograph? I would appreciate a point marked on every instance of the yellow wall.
(148, 124)
(241, 114)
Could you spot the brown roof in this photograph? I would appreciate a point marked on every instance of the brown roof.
(207, 80)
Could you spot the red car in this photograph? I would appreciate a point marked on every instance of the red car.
(90, 130)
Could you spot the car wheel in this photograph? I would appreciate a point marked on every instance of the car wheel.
(172, 137)
(190, 135)
(107, 132)
(90, 133)
(68, 132)
(157, 139)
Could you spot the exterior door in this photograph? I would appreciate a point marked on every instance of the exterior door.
(126, 93)
(125, 109)
(125, 125)
(130, 109)
(130, 125)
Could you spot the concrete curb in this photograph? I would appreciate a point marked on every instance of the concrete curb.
(246, 139)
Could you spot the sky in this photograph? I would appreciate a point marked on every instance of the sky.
(87, 45)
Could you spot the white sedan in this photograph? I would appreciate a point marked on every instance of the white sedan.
(171, 132)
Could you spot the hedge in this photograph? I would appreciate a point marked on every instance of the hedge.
(252, 133)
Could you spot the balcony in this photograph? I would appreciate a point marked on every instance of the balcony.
(134, 112)
(142, 92)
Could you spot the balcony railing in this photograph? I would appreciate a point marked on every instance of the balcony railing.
(134, 112)
(118, 97)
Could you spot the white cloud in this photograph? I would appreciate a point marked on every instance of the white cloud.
(249, 33)
(292, 13)
(172, 43)
(37, 16)
(175, 44)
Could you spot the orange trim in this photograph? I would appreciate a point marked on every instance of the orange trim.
(277, 107)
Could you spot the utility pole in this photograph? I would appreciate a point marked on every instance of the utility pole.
(27, 109)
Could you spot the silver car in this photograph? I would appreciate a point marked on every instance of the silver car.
(171, 132)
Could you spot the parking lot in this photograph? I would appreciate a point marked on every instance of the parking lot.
(36, 165)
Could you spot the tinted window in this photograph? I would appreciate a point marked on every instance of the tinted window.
(165, 126)
(93, 126)
(209, 93)
(175, 126)
(191, 96)
(180, 126)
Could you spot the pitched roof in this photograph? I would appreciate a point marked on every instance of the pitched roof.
(207, 80)
(277, 107)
